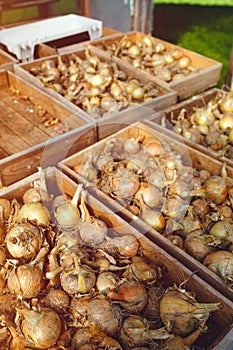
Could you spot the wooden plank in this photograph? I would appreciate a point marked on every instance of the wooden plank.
(21, 126)
(3, 153)
(10, 142)
(142, 16)
(28, 113)
(229, 75)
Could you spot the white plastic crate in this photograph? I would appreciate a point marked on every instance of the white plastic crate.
(22, 39)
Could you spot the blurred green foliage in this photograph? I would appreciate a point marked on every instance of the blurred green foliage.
(213, 39)
(196, 2)
(205, 30)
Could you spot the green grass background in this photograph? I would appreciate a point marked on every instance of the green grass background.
(206, 30)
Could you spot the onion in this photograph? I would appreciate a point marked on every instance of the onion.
(140, 271)
(223, 231)
(226, 121)
(174, 208)
(226, 105)
(34, 212)
(150, 194)
(56, 299)
(132, 295)
(125, 183)
(176, 240)
(195, 245)
(26, 280)
(154, 148)
(24, 241)
(132, 145)
(203, 116)
(184, 62)
(180, 188)
(138, 93)
(41, 328)
(200, 207)
(31, 195)
(160, 47)
(78, 308)
(89, 336)
(134, 50)
(147, 40)
(154, 219)
(127, 245)
(221, 263)
(5, 210)
(214, 189)
(181, 313)
(106, 281)
(135, 331)
(176, 53)
(92, 231)
(103, 316)
(66, 212)
(80, 279)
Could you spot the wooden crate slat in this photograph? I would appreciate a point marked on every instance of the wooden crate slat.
(10, 142)
(21, 126)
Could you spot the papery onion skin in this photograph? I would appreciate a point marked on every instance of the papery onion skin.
(221, 263)
(181, 313)
(127, 245)
(93, 232)
(34, 212)
(214, 189)
(106, 281)
(132, 295)
(67, 215)
(103, 316)
(41, 329)
(154, 219)
(79, 280)
(24, 241)
(56, 299)
(25, 280)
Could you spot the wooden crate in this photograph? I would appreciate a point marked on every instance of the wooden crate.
(114, 121)
(6, 60)
(199, 101)
(190, 157)
(25, 140)
(206, 74)
(218, 336)
(44, 49)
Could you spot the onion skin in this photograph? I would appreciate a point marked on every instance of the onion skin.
(195, 245)
(214, 189)
(102, 315)
(132, 295)
(24, 241)
(41, 329)
(127, 245)
(67, 215)
(141, 271)
(181, 313)
(26, 280)
(79, 280)
(221, 263)
(35, 212)
(135, 331)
